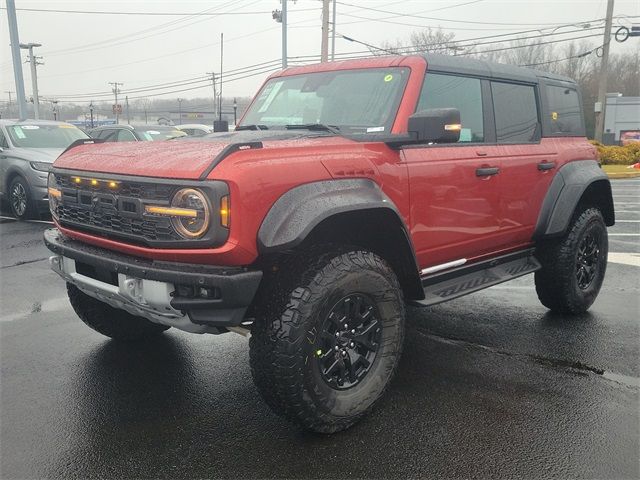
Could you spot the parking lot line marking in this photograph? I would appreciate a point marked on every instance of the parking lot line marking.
(632, 259)
(48, 222)
(624, 234)
(627, 221)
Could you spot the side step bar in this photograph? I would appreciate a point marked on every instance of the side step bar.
(454, 283)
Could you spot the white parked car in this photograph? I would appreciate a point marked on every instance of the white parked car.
(195, 129)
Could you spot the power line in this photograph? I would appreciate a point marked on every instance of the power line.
(175, 14)
(413, 15)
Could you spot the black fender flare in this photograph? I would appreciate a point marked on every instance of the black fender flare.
(566, 189)
(298, 211)
(295, 215)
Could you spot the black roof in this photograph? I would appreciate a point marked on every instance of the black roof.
(474, 66)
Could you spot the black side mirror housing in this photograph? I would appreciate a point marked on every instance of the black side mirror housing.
(436, 125)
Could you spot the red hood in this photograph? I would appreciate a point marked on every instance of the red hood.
(178, 159)
(170, 159)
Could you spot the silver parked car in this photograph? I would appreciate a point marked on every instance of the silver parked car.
(27, 150)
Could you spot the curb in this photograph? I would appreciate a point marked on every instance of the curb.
(618, 175)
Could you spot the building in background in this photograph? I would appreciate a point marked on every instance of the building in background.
(621, 119)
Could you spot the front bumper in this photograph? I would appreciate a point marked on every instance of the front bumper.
(215, 296)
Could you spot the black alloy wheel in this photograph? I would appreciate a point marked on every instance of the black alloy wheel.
(587, 263)
(349, 341)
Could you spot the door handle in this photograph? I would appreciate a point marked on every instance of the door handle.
(546, 165)
(487, 171)
(481, 153)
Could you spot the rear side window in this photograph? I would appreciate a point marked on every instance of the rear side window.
(463, 93)
(3, 140)
(564, 109)
(516, 112)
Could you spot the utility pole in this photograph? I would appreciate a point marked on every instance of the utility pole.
(180, 111)
(215, 96)
(34, 76)
(10, 107)
(54, 108)
(601, 105)
(221, 54)
(333, 32)
(91, 111)
(324, 50)
(115, 91)
(15, 56)
(284, 34)
(126, 100)
(280, 16)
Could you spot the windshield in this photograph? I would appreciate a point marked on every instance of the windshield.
(38, 135)
(158, 132)
(356, 101)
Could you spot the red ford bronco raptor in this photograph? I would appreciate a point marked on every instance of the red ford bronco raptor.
(347, 189)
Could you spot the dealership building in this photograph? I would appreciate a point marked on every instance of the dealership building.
(621, 118)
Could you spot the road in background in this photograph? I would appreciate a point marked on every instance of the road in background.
(491, 384)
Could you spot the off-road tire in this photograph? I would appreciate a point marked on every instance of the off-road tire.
(19, 191)
(291, 309)
(109, 321)
(557, 283)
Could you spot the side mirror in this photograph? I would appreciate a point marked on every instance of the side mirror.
(436, 125)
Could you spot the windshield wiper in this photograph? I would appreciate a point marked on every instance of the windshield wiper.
(251, 127)
(315, 126)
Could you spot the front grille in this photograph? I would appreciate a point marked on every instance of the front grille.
(118, 211)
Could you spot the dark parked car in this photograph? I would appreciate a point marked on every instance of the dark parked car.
(135, 133)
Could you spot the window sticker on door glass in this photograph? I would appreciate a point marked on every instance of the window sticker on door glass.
(30, 127)
(465, 135)
(272, 94)
(19, 133)
(375, 129)
(388, 78)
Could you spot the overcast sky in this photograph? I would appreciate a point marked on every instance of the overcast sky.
(83, 52)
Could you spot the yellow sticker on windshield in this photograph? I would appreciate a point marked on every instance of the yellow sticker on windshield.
(554, 115)
(388, 78)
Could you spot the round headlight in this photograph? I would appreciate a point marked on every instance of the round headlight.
(192, 224)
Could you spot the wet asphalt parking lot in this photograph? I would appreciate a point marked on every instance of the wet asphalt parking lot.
(490, 385)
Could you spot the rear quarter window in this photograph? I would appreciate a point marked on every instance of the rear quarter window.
(516, 112)
(563, 107)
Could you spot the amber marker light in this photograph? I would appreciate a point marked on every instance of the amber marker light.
(453, 127)
(94, 182)
(224, 211)
(76, 179)
(171, 211)
(54, 192)
(113, 184)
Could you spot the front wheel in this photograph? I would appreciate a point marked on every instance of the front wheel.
(20, 199)
(573, 267)
(328, 337)
(109, 321)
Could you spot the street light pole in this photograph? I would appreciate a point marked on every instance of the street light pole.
(33, 60)
(235, 112)
(91, 111)
(15, 56)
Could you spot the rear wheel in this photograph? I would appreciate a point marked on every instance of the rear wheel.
(328, 338)
(573, 267)
(109, 321)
